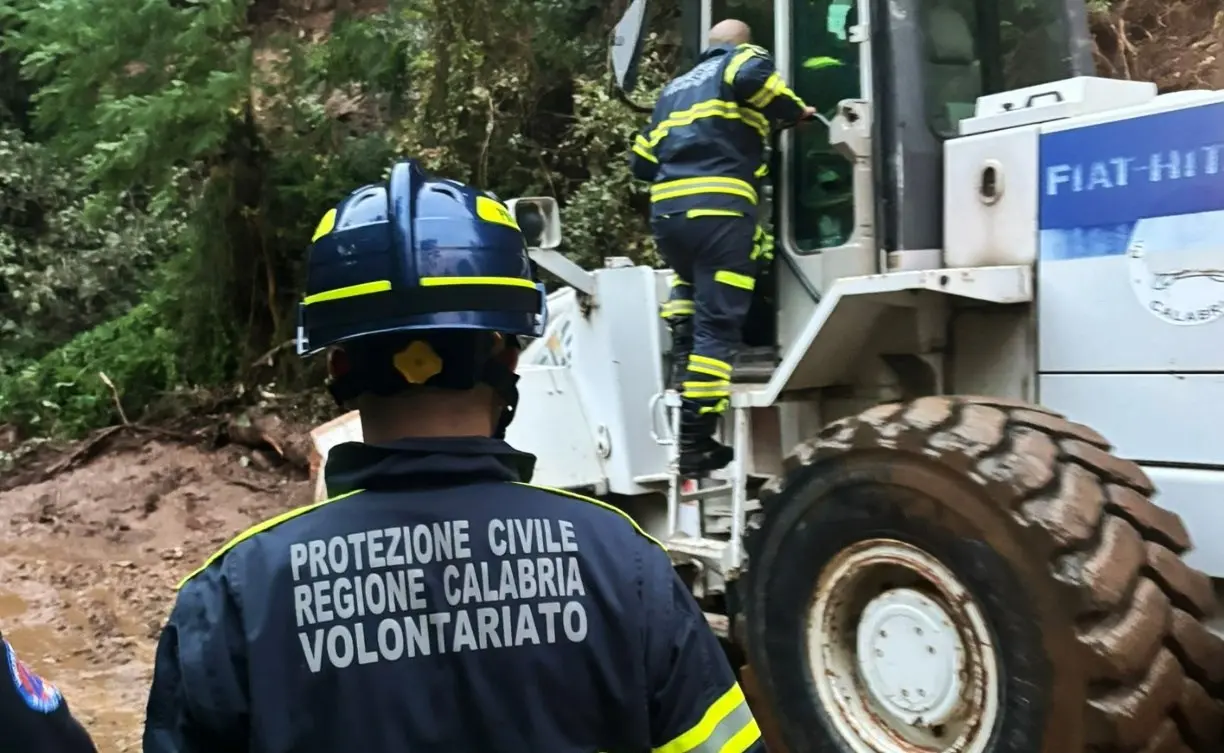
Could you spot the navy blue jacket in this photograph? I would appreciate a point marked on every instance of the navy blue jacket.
(704, 149)
(34, 717)
(438, 604)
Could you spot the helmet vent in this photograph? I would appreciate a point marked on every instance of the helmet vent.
(448, 191)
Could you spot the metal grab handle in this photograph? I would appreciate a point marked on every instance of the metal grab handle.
(653, 407)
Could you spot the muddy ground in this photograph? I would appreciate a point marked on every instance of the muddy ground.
(89, 560)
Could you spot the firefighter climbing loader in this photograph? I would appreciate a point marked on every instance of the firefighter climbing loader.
(922, 545)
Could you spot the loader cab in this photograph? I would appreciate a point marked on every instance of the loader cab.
(919, 66)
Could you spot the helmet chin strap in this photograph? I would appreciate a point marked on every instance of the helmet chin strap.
(504, 382)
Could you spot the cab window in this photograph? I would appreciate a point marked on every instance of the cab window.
(974, 48)
(825, 71)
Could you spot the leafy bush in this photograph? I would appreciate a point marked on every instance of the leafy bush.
(59, 273)
(63, 394)
(145, 352)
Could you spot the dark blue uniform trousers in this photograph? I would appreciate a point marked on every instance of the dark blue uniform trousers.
(714, 254)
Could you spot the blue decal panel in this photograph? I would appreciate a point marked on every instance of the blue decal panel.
(1130, 276)
(1099, 181)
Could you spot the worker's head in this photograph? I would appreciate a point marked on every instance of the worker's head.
(730, 32)
(420, 290)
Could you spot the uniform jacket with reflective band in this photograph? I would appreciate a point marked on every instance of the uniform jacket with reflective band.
(448, 608)
(705, 146)
(34, 718)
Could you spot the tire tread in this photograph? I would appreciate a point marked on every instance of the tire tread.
(1157, 673)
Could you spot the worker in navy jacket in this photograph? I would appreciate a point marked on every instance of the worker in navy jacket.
(704, 154)
(437, 601)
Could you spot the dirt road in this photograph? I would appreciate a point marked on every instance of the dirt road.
(89, 560)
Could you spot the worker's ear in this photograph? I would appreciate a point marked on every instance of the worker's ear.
(506, 350)
(509, 358)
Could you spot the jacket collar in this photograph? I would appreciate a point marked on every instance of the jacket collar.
(716, 50)
(406, 464)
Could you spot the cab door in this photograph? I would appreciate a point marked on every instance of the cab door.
(817, 44)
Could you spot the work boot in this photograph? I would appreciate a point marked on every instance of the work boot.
(681, 328)
(699, 452)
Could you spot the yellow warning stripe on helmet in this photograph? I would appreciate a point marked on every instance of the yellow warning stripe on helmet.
(352, 291)
(514, 282)
(325, 226)
(491, 210)
(712, 213)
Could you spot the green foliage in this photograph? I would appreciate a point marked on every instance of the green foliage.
(134, 88)
(606, 212)
(145, 351)
(60, 275)
(214, 135)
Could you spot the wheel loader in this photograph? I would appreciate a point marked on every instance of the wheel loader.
(980, 403)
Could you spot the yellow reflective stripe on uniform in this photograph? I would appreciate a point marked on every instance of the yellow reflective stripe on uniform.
(718, 407)
(325, 226)
(677, 193)
(641, 147)
(702, 390)
(704, 109)
(514, 282)
(761, 171)
(260, 528)
(710, 108)
(727, 726)
(677, 308)
(673, 189)
(597, 503)
(737, 62)
(713, 213)
(676, 281)
(734, 279)
(773, 88)
(767, 92)
(744, 739)
(352, 291)
(706, 371)
(721, 368)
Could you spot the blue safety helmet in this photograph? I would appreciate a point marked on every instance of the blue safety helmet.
(417, 254)
(419, 282)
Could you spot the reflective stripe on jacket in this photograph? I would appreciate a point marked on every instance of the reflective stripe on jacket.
(705, 145)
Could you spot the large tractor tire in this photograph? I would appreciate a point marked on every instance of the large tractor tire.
(981, 576)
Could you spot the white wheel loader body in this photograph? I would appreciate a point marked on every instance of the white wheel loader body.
(1119, 328)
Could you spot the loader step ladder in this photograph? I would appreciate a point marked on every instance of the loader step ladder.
(755, 365)
(720, 526)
